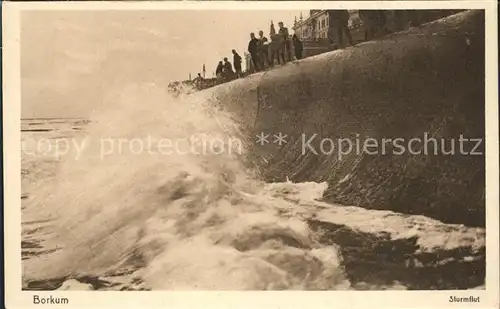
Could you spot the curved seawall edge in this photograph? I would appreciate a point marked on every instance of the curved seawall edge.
(427, 82)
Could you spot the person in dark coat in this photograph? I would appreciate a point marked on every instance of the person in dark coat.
(374, 23)
(220, 69)
(199, 81)
(263, 50)
(237, 63)
(298, 46)
(285, 48)
(253, 49)
(227, 71)
(338, 26)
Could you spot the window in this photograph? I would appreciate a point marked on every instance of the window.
(322, 24)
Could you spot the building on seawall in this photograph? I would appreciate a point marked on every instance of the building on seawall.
(315, 27)
(313, 31)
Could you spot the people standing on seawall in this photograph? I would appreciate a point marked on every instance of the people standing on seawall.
(285, 36)
(237, 63)
(297, 46)
(199, 81)
(263, 50)
(374, 23)
(415, 18)
(228, 69)
(338, 26)
(275, 45)
(219, 70)
(253, 49)
(401, 19)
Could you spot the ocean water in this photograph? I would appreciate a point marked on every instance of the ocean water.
(104, 202)
(143, 190)
(195, 221)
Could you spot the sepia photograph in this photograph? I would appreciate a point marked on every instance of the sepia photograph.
(291, 148)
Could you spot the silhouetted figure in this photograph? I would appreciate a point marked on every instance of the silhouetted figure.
(298, 46)
(263, 50)
(285, 47)
(415, 17)
(374, 23)
(253, 49)
(275, 46)
(338, 26)
(237, 63)
(400, 19)
(219, 70)
(199, 81)
(228, 69)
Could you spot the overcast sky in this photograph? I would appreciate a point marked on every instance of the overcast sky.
(67, 51)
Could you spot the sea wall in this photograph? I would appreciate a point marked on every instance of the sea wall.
(427, 82)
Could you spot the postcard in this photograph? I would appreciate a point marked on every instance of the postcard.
(247, 154)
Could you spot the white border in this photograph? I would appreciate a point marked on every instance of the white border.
(15, 298)
(245, 5)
